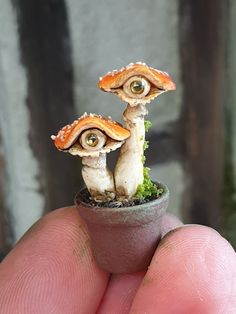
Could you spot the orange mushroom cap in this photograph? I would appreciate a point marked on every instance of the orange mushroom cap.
(116, 79)
(68, 135)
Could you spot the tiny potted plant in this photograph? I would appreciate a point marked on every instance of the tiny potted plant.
(124, 210)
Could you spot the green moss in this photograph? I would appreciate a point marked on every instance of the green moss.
(145, 145)
(147, 125)
(147, 188)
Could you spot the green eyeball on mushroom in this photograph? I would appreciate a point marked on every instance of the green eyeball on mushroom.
(136, 87)
(93, 139)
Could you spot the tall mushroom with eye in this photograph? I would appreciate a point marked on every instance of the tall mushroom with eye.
(92, 137)
(137, 84)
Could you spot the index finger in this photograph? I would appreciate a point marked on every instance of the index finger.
(51, 269)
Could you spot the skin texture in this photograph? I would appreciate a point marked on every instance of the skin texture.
(52, 270)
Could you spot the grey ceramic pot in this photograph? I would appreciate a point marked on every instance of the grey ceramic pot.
(124, 239)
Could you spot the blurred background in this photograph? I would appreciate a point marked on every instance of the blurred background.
(52, 53)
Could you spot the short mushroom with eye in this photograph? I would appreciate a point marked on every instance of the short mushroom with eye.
(137, 84)
(92, 137)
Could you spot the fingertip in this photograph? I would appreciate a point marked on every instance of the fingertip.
(120, 293)
(192, 271)
(52, 265)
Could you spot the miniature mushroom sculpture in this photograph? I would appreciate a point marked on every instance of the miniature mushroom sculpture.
(92, 137)
(137, 84)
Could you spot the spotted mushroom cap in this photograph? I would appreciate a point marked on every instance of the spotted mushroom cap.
(67, 137)
(114, 81)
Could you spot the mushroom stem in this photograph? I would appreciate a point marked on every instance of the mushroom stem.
(98, 178)
(129, 167)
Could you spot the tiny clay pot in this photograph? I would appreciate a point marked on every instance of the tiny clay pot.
(124, 239)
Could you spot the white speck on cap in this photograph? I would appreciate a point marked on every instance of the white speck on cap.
(84, 115)
(142, 63)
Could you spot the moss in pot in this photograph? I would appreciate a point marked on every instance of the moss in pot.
(123, 211)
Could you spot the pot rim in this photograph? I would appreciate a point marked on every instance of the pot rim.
(132, 215)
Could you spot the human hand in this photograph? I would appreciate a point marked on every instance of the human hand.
(52, 270)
